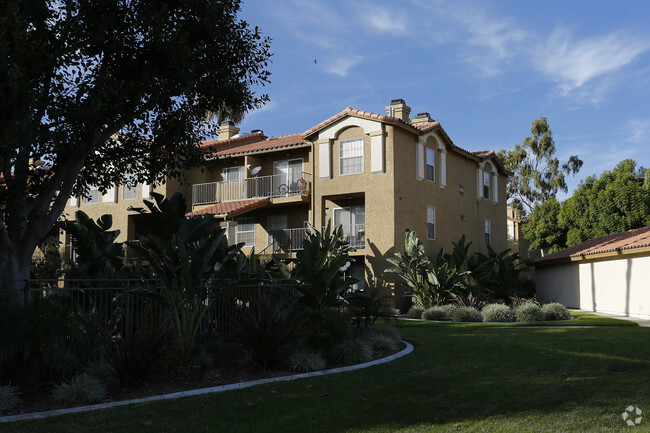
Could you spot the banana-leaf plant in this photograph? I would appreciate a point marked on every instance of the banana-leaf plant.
(321, 282)
(413, 268)
(183, 253)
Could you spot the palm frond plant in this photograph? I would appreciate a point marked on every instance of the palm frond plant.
(183, 253)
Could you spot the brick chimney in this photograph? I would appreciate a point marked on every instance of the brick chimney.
(399, 109)
(422, 118)
(227, 130)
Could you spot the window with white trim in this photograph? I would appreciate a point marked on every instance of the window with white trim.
(130, 190)
(431, 222)
(246, 231)
(431, 165)
(233, 174)
(488, 232)
(351, 156)
(93, 195)
(486, 184)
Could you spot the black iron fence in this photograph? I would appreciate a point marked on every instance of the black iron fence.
(76, 320)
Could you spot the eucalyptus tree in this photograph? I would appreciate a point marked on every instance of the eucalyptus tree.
(537, 173)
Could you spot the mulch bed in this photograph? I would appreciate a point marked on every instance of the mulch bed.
(36, 396)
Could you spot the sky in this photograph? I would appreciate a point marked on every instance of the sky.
(484, 69)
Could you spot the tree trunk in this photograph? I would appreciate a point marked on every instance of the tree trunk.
(15, 266)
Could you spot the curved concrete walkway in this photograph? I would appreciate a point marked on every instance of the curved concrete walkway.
(193, 392)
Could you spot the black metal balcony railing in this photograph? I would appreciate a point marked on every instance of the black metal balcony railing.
(285, 241)
(278, 185)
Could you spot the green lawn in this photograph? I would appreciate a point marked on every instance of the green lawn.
(459, 378)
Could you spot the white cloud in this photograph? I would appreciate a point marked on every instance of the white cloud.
(638, 131)
(384, 20)
(342, 65)
(573, 64)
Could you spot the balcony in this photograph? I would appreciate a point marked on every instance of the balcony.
(285, 241)
(355, 234)
(275, 186)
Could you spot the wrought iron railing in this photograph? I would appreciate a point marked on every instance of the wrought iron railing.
(278, 185)
(285, 241)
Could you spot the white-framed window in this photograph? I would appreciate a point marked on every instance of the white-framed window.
(486, 184)
(488, 232)
(287, 175)
(246, 231)
(431, 165)
(351, 156)
(431, 222)
(233, 174)
(93, 195)
(130, 188)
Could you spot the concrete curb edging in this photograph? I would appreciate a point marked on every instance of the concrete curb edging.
(214, 389)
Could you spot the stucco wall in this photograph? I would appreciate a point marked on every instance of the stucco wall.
(618, 285)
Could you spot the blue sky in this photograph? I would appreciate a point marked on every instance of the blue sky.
(484, 69)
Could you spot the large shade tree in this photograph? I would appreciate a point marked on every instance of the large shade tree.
(92, 90)
(613, 202)
(537, 172)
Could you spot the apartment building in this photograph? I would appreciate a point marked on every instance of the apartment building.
(376, 175)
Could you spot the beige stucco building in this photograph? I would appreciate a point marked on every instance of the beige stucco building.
(374, 174)
(608, 274)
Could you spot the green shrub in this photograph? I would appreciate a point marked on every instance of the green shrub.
(529, 313)
(104, 372)
(8, 397)
(351, 352)
(305, 361)
(415, 312)
(556, 311)
(450, 309)
(467, 314)
(265, 327)
(435, 313)
(83, 388)
(138, 354)
(384, 329)
(380, 342)
(498, 313)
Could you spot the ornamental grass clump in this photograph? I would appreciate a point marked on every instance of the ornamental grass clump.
(384, 329)
(467, 314)
(415, 312)
(435, 313)
(380, 342)
(498, 313)
(529, 313)
(8, 397)
(83, 388)
(305, 361)
(556, 311)
(351, 352)
(450, 309)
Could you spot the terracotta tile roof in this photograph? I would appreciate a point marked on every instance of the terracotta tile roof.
(294, 140)
(220, 144)
(630, 239)
(518, 220)
(358, 113)
(231, 208)
(484, 154)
